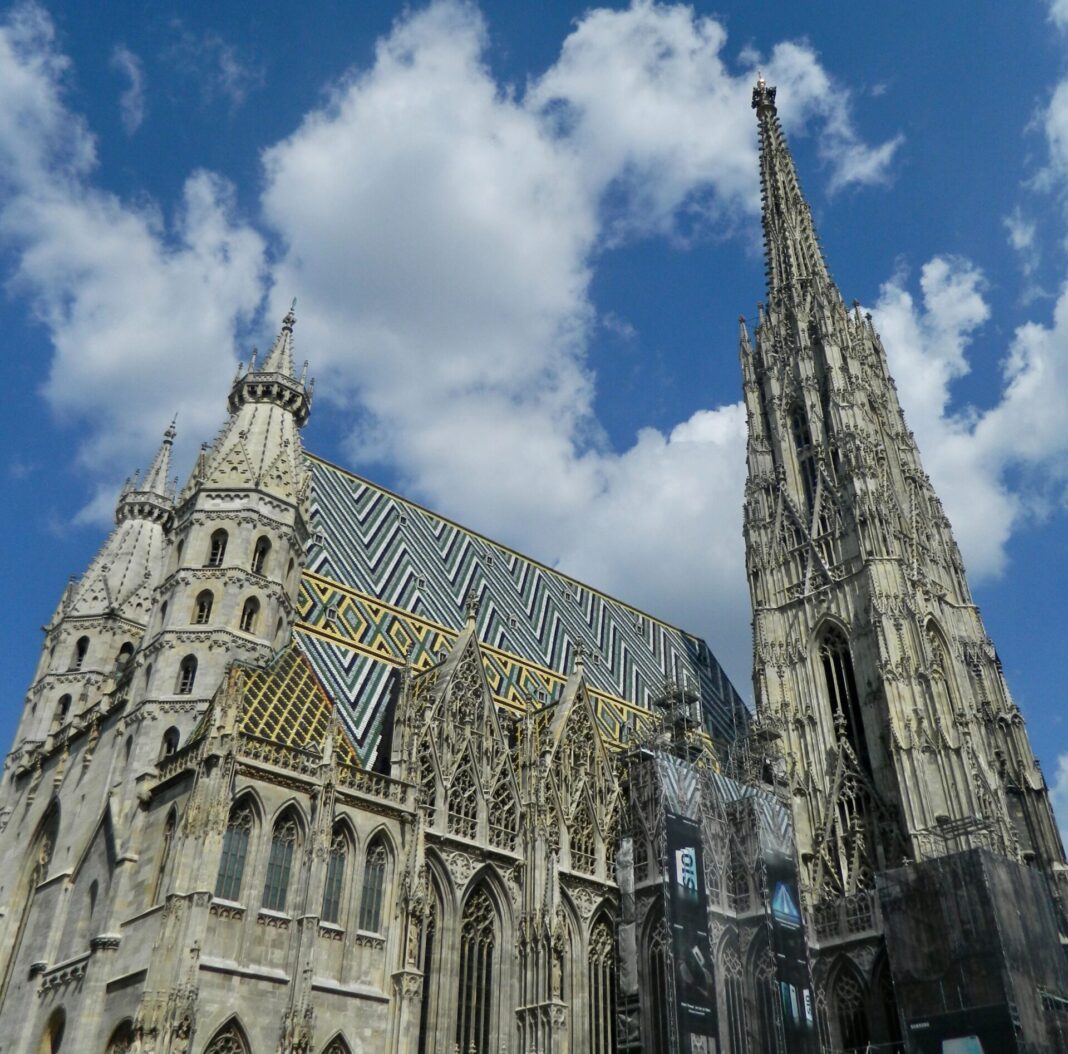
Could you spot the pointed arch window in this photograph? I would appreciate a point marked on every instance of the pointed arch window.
(187, 676)
(335, 877)
(337, 1046)
(734, 998)
(428, 781)
(850, 1013)
(235, 850)
(806, 452)
(248, 615)
(842, 692)
(125, 654)
(164, 854)
(374, 886)
(659, 990)
(602, 988)
(169, 743)
(478, 940)
(202, 607)
(217, 549)
(503, 816)
(280, 864)
(463, 804)
(228, 1040)
(260, 554)
(81, 648)
(583, 842)
(426, 1002)
(62, 709)
(122, 1039)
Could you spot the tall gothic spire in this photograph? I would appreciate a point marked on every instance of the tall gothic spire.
(793, 254)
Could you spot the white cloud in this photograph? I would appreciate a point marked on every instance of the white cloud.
(141, 313)
(1023, 237)
(217, 67)
(972, 453)
(1058, 13)
(132, 100)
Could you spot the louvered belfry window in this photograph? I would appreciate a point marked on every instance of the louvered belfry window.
(374, 884)
(335, 878)
(235, 849)
(478, 940)
(280, 864)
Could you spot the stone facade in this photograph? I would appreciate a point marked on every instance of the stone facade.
(872, 667)
(307, 769)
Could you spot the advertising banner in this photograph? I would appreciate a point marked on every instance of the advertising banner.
(788, 944)
(687, 913)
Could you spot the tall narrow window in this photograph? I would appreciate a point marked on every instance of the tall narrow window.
(583, 842)
(335, 877)
(80, 650)
(842, 692)
(280, 864)
(428, 781)
(228, 1040)
(734, 998)
(849, 1005)
(659, 991)
(62, 709)
(463, 804)
(202, 608)
(217, 551)
(122, 1039)
(187, 676)
(169, 743)
(125, 655)
(478, 940)
(374, 884)
(602, 989)
(164, 855)
(503, 816)
(806, 452)
(430, 929)
(235, 849)
(259, 555)
(248, 615)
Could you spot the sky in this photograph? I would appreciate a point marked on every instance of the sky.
(520, 237)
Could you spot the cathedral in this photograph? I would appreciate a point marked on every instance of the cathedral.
(306, 768)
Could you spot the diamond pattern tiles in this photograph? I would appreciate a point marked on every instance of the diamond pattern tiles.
(385, 578)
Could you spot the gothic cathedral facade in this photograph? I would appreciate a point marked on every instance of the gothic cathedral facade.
(305, 768)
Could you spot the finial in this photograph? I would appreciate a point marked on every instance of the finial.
(172, 430)
(761, 83)
(471, 605)
(763, 96)
(252, 362)
(291, 316)
(580, 656)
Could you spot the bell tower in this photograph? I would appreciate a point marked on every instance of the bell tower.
(871, 662)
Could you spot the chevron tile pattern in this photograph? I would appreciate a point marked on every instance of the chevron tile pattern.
(386, 579)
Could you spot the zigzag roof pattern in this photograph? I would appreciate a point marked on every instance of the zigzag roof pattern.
(385, 583)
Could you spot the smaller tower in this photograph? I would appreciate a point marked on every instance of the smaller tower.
(237, 548)
(96, 631)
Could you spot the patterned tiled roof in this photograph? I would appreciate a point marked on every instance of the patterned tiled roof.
(386, 579)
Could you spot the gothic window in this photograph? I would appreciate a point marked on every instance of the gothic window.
(259, 555)
(335, 877)
(164, 854)
(187, 675)
(463, 804)
(942, 697)
(202, 608)
(806, 452)
(125, 654)
(280, 864)
(602, 988)
(850, 1013)
(336, 1046)
(842, 691)
(734, 1000)
(430, 929)
(660, 1006)
(766, 993)
(738, 891)
(235, 849)
(248, 615)
(503, 816)
(80, 650)
(583, 842)
(122, 1039)
(52, 1038)
(62, 709)
(478, 939)
(228, 1040)
(217, 551)
(169, 744)
(374, 886)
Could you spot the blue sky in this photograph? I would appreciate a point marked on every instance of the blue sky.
(520, 237)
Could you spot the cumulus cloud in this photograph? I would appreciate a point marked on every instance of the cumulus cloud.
(441, 231)
(141, 309)
(132, 100)
(992, 466)
(1058, 791)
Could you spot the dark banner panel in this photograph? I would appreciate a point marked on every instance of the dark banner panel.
(687, 911)
(797, 1002)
